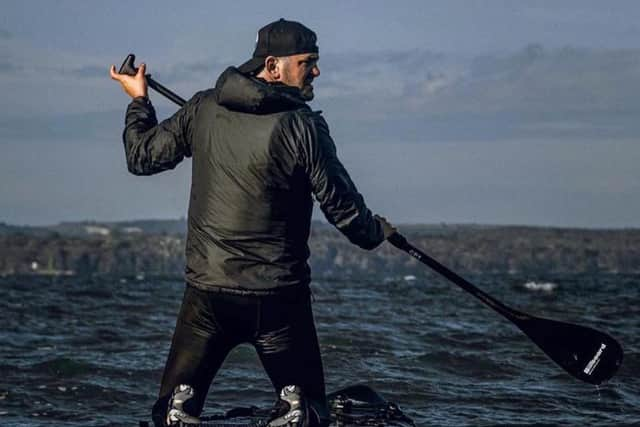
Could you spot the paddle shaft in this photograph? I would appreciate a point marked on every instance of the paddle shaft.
(397, 240)
(162, 90)
(129, 68)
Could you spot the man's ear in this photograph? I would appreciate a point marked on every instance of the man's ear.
(272, 67)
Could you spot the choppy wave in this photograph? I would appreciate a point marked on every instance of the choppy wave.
(541, 286)
(91, 354)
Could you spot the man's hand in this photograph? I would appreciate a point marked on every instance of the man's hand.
(387, 228)
(134, 86)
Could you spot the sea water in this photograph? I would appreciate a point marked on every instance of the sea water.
(90, 353)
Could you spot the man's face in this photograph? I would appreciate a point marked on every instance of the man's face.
(299, 71)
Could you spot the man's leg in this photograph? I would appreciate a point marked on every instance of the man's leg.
(198, 349)
(288, 348)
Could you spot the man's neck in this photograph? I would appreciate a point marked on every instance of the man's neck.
(262, 75)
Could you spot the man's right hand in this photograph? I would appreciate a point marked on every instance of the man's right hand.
(134, 86)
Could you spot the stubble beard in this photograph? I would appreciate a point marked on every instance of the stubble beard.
(307, 92)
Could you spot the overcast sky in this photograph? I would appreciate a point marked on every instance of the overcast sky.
(495, 112)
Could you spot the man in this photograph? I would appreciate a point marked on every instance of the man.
(259, 154)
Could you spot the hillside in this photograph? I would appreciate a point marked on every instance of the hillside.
(139, 248)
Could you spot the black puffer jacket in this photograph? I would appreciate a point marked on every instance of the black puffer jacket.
(259, 153)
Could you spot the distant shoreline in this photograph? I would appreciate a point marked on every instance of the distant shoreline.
(149, 224)
(155, 248)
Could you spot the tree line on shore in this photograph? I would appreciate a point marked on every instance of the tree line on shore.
(126, 249)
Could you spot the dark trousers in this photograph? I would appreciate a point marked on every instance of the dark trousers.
(211, 324)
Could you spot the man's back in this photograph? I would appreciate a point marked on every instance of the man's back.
(259, 153)
(251, 203)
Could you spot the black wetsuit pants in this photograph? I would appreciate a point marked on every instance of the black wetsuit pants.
(211, 324)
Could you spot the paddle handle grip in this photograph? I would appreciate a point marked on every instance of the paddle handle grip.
(400, 242)
(129, 68)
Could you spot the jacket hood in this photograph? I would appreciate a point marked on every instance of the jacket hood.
(239, 92)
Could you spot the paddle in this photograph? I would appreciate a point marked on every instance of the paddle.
(127, 67)
(585, 353)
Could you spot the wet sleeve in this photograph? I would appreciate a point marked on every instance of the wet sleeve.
(153, 147)
(339, 199)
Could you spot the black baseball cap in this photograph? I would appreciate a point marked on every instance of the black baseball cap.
(280, 38)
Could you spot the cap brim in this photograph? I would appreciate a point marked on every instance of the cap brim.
(252, 65)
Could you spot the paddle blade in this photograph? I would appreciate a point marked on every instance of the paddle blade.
(585, 353)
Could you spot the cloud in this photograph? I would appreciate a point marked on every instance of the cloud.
(204, 70)
(411, 95)
(180, 72)
(6, 67)
(90, 71)
(7, 63)
(387, 73)
(86, 127)
(561, 92)
(564, 80)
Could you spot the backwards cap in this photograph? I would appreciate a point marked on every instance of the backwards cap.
(280, 38)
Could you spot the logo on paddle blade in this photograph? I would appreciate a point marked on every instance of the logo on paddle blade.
(591, 366)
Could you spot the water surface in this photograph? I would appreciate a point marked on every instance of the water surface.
(79, 353)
